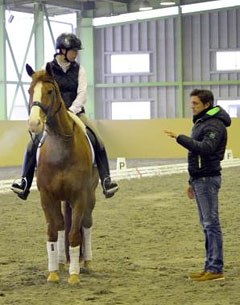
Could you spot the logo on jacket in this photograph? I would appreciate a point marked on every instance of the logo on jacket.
(212, 135)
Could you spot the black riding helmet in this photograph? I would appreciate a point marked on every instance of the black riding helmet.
(68, 41)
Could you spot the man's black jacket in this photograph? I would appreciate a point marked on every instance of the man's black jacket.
(206, 146)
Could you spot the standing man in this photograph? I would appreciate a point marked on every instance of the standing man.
(206, 148)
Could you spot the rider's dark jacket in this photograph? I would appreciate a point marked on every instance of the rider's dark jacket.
(67, 81)
(206, 146)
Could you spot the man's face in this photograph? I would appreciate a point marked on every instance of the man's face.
(197, 105)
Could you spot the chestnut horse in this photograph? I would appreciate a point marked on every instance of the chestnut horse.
(65, 172)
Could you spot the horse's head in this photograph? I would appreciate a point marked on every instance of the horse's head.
(44, 94)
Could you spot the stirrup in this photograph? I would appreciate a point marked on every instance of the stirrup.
(112, 190)
(26, 183)
(24, 190)
(105, 182)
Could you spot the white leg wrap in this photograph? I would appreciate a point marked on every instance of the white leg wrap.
(52, 256)
(74, 267)
(61, 247)
(87, 244)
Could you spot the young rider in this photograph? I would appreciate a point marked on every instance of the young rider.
(71, 78)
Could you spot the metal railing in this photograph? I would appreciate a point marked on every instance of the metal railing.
(138, 172)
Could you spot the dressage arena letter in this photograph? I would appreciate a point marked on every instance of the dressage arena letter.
(121, 164)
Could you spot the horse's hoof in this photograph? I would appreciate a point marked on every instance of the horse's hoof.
(88, 264)
(63, 267)
(74, 279)
(87, 267)
(53, 277)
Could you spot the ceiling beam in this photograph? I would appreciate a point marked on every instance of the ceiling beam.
(122, 1)
(119, 1)
(17, 3)
(70, 4)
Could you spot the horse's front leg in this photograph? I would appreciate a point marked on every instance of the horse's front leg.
(55, 232)
(87, 231)
(75, 240)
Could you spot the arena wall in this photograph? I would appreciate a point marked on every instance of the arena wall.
(132, 139)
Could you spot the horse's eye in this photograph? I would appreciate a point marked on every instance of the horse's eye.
(50, 91)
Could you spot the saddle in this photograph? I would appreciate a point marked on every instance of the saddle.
(88, 132)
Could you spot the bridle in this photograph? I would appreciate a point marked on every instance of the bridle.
(50, 115)
(47, 110)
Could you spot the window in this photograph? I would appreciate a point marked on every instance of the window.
(228, 61)
(19, 23)
(130, 63)
(131, 110)
(231, 106)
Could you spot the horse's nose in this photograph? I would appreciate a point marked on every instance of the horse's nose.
(34, 125)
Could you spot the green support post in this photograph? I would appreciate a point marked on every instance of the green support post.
(180, 63)
(3, 86)
(39, 35)
(85, 33)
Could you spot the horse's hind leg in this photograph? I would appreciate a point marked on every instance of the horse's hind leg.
(87, 249)
(87, 232)
(87, 238)
(68, 222)
(75, 240)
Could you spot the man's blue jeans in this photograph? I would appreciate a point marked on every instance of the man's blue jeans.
(206, 192)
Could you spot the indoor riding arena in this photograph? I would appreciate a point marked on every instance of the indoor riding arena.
(142, 60)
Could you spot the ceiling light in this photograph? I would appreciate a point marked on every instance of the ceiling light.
(167, 2)
(145, 6)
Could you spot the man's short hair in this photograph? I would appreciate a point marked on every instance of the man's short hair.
(205, 96)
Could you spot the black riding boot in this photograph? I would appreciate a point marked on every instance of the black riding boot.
(109, 187)
(22, 189)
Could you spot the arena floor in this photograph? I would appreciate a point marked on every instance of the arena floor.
(146, 239)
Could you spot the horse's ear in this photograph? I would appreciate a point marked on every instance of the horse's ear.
(49, 69)
(30, 70)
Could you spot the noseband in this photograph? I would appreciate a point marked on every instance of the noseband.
(47, 110)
